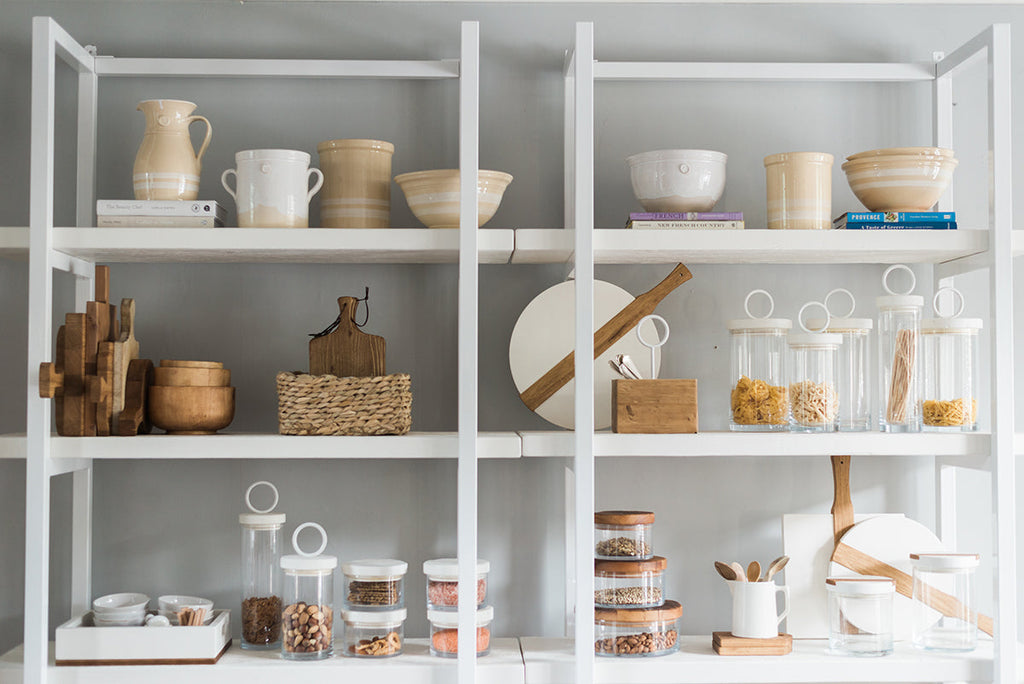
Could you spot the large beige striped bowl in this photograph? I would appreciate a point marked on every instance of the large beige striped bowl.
(433, 196)
(900, 182)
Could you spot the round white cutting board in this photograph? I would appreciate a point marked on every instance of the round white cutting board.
(545, 333)
(891, 540)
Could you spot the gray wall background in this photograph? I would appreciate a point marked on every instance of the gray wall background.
(255, 317)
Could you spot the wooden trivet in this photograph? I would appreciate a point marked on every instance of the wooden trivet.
(726, 644)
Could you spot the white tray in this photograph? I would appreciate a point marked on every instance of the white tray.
(81, 643)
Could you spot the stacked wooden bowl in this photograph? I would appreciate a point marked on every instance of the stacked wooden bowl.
(191, 397)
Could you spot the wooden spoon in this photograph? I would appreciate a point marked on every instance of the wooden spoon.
(754, 572)
(725, 571)
(741, 576)
(775, 566)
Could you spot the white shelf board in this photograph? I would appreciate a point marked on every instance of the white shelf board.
(277, 245)
(550, 661)
(763, 71)
(418, 445)
(770, 444)
(504, 665)
(752, 246)
(14, 243)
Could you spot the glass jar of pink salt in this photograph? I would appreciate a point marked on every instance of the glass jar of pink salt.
(443, 582)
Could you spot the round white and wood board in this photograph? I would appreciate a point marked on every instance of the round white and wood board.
(545, 333)
(891, 540)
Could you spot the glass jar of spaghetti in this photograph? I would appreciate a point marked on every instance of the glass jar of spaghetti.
(759, 399)
(949, 370)
(899, 326)
(813, 400)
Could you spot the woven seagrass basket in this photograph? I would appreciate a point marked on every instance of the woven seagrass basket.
(329, 405)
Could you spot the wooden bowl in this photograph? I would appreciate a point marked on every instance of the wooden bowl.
(191, 377)
(191, 410)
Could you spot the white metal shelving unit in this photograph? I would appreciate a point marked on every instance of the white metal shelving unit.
(76, 251)
(951, 254)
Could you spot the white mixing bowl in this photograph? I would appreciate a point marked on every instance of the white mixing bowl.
(678, 180)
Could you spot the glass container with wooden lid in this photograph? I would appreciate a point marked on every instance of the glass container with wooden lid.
(629, 584)
(637, 632)
(623, 535)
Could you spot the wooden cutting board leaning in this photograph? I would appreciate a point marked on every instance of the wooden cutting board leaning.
(344, 350)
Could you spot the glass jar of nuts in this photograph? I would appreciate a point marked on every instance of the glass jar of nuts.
(307, 621)
(377, 634)
(623, 535)
(637, 631)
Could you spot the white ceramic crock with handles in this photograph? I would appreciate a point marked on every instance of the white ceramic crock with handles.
(272, 188)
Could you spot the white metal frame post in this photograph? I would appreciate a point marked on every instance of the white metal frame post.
(469, 275)
(49, 41)
(583, 222)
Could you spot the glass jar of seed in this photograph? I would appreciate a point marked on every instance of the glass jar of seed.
(629, 584)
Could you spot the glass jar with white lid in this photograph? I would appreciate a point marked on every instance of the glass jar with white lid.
(759, 400)
(443, 582)
(899, 330)
(444, 631)
(814, 402)
(261, 572)
(853, 379)
(860, 615)
(374, 634)
(374, 584)
(949, 369)
(307, 621)
(944, 616)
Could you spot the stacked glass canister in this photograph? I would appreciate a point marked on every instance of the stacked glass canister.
(949, 369)
(374, 607)
(631, 616)
(443, 606)
(261, 573)
(759, 400)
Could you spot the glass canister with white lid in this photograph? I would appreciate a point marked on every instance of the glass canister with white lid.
(899, 328)
(623, 535)
(374, 634)
(860, 615)
(307, 621)
(637, 632)
(261, 572)
(374, 584)
(814, 402)
(949, 369)
(853, 379)
(444, 631)
(758, 400)
(443, 582)
(629, 584)
(945, 581)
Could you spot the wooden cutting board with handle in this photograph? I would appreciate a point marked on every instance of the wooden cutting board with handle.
(347, 351)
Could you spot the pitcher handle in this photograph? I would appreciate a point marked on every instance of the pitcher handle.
(785, 611)
(319, 182)
(224, 182)
(209, 133)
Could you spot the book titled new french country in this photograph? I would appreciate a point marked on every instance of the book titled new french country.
(686, 220)
(685, 225)
(133, 207)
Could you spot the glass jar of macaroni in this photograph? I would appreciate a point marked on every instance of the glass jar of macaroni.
(758, 400)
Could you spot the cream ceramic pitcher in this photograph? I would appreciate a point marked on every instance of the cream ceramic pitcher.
(272, 188)
(166, 167)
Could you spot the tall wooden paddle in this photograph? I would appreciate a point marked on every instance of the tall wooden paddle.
(620, 324)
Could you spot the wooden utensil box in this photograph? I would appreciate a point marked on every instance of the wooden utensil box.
(654, 406)
(79, 642)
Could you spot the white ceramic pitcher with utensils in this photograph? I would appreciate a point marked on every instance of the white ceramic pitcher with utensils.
(754, 611)
(272, 188)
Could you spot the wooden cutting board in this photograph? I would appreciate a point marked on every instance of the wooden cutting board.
(347, 351)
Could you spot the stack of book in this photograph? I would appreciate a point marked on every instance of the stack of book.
(896, 220)
(159, 214)
(687, 220)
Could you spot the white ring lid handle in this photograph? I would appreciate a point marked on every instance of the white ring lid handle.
(958, 307)
(746, 304)
(898, 267)
(248, 494)
(840, 290)
(800, 317)
(323, 539)
(657, 342)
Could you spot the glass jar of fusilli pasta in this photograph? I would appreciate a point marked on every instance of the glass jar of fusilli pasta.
(814, 365)
(758, 400)
(949, 369)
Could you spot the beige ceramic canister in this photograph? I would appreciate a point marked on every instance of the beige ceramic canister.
(799, 190)
(166, 167)
(357, 183)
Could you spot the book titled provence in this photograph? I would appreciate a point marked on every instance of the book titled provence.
(208, 208)
(895, 217)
